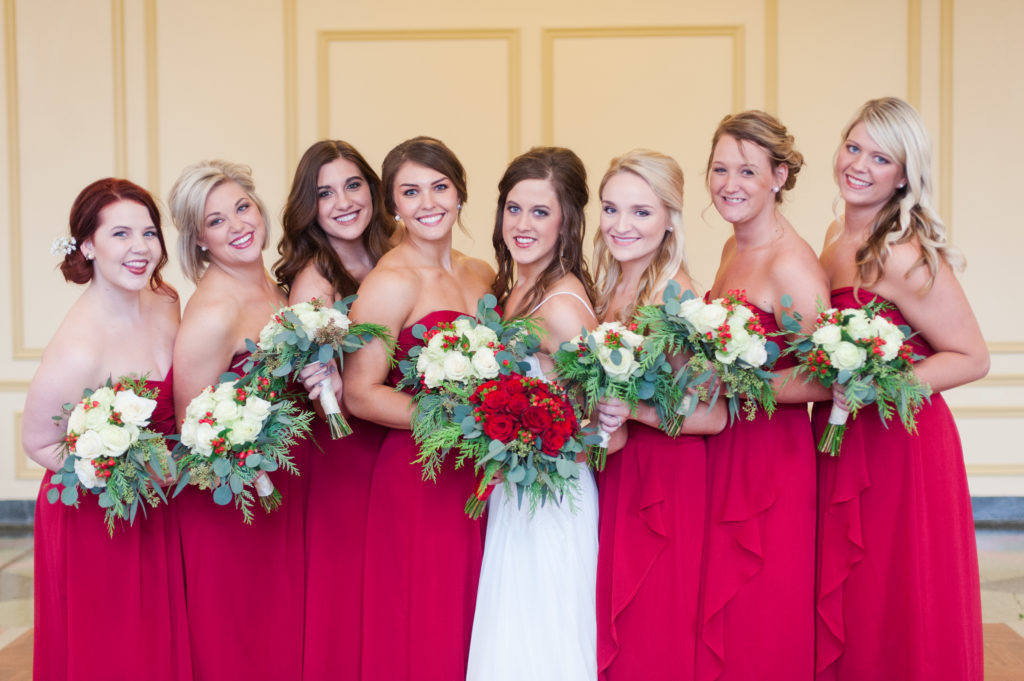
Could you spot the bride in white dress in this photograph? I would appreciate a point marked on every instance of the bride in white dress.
(535, 608)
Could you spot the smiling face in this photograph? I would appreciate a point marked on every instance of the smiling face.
(531, 222)
(344, 202)
(233, 228)
(633, 219)
(125, 247)
(867, 176)
(425, 200)
(741, 180)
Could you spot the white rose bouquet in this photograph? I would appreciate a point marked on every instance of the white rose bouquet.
(233, 435)
(109, 451)
(614, 360)
(726, 349)
(455, 359)
(313, 332)
(866, 353)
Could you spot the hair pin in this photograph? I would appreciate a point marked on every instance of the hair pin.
(63, 245)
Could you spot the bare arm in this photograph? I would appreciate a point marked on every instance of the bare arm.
(202, 351)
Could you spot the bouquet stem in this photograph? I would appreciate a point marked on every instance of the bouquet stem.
(674, 424)
(478, 499)
(832, 438)
(598, 455)
(332, 412)
(270, 498)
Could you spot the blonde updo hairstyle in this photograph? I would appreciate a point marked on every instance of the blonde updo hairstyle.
(898, 130)
(187, 203)
(665, 178)
(764, 130)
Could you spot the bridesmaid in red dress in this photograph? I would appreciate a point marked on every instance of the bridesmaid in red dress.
(90, 588)
(652, 493)
(244, 582)
(898, 595)
(758, 581)
(422, 552)
(335, 231)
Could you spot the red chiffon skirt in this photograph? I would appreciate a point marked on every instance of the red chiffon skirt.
(423, 556)
(652, 496)
(244, 583)
(758, 576)
(108, 608)
(337, 491)
(898, 594)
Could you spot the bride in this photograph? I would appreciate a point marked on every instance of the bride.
(549, 557)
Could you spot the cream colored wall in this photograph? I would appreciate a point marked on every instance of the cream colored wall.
(141, 88)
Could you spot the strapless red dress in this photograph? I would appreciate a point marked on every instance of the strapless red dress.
(111, 608)
(244, 583)
(758, 575)
(652, 496)
(898, 593)
(423, 556)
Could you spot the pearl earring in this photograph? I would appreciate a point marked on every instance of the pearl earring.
(460, 205)
(89, 256)
(901, 185)
(775, 189)
(397, 219)
(202, 248)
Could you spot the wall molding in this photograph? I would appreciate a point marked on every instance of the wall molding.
(988, 412)
(995, 469)
(914, 53)
(946, 110)
(291, 88)
(550, 35)
(23, 468)
(510, 36)
(771, 56)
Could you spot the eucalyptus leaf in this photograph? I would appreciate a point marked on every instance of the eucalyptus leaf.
(516, 475)
(69, 495)
(222, 495)
(52, 495)
(253, 460)
(104, 500)
(182, 482)
(325, 353)
(235, 483)
(418, 330)
(250, 345)
(221, 467)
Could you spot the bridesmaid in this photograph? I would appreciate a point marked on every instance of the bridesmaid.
(652, 493)
(91, 588)
(549, 557)
(335, 231)
(422, 552)
(898, 594)
(244, 582)
(758, 580)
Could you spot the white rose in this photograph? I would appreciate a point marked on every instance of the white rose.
(89, 445)
(740, 341)
(115, 440)
(617, 371)
(827, 337)
(857, 324)
(311, 320)
(340, 320)
(457, 367)
(433, 375)
(133, 432)
(227, 412)
(204, 437)
(689, 308)
(463, 325)
(134, 409)
(893, 342)
(200, 405)
(96, 417)
(188, 433)
(755, 354)
(485, 335)
(710, 317)
(224, 392)
(848, 357)
(741, 314)
(86, 473)
(267, 335)
(76, 421)
(245, 430)
(631, 339)
(104, 396)
(256, 408)
(485, 364)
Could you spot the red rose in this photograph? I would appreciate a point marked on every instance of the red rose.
(553, 443)
(536, 419)
(499, 427)
(514, 385)
(517, 403)
(495, 401)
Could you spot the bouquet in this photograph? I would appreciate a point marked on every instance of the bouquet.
(456, 358)
(615, 361)
(526, 429)
(234, 434)
(109, 451)
(313, 332)
(727, 348)
(868, 354)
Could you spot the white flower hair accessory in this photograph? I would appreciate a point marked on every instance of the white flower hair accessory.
(63, 245)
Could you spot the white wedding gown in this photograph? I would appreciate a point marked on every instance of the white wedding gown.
(535, 606)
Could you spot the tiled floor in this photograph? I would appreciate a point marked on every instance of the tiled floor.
(1001, 554)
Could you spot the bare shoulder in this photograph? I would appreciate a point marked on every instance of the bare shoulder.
(474, 267)
(309, 283)
(795, 260)
(900, 273)
(387, 294)
(208, 321)
(564, 316)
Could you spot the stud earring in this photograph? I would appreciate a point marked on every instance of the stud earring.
(670, 229)
(397, 219)
(901, 185)
(460, 205)
(775, 190)
(202, 248)
(89, 256)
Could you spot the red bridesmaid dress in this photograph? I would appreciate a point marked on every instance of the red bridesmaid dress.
(757, 618)
(652, 497)
(423, 556)
(338, 488)
(244, 583)
(111, 608)
(898, 593)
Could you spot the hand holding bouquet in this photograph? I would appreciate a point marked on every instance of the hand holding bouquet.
(867, 354)
(456, 358)
(313, 332)
(109, 451)
(615, 361)
(524, 428)
(726, 345)
(234, 434)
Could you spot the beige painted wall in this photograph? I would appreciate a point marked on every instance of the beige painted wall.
(140, 88)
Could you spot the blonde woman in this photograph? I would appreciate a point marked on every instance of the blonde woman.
(899, 594)
(653, 491)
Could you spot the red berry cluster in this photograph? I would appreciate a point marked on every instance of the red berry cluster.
(90, 404)
(219, 444)
(906, 353)
(115, 418)
(720, 336)
(825, 318)
(103, 466)
(71, 440)
(613, 339)
(818, 361)
(875, 345)
(207, 418)
(734, 297)
(240, 457)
